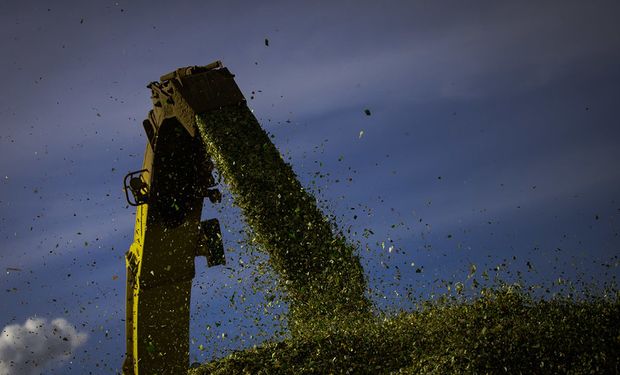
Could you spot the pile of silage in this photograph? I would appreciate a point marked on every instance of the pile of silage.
(501, 331)
(323, 277)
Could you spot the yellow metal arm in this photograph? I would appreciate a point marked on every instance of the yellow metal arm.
(169, 192)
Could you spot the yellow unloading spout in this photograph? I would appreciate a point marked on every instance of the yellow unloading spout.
(199, 114)
(168, 192)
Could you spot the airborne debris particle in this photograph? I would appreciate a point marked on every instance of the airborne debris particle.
(266, 42)
(367, 112)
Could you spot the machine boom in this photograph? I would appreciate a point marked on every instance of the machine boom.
(169, 191)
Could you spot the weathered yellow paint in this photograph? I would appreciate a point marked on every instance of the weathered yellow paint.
(160, 261)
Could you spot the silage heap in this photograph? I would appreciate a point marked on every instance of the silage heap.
(323, 277)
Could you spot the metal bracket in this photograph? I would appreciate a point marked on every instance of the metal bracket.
(189, 70)
(210, 243)
(137, 186)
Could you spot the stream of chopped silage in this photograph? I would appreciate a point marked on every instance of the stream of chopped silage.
(323, 276)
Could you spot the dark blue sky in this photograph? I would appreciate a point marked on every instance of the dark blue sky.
(493, 134)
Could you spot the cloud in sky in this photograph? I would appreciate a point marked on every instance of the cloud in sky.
(29, 348)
